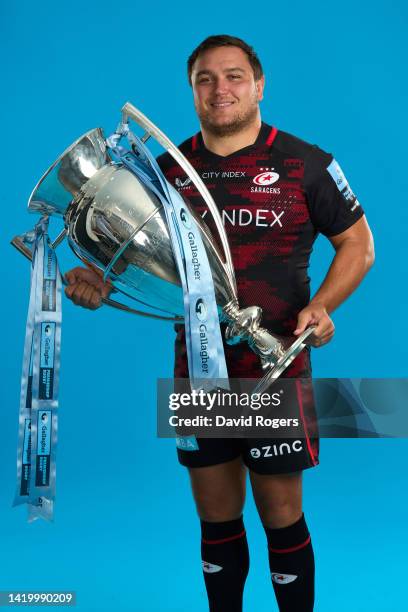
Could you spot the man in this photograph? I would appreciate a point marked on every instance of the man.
(275, 193)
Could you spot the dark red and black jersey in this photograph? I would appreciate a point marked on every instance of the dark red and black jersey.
(274, 197)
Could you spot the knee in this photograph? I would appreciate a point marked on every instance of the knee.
(216, 509)
(281, 513)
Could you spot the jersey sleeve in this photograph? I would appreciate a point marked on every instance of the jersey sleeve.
(332, 204)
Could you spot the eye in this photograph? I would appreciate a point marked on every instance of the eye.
(203, 80)
(235, 76)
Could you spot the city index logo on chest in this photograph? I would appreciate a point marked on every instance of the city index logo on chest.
(242, 217)
(223, 175)
(185, 182)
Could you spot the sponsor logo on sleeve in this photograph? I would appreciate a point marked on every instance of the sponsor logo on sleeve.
(342, 184)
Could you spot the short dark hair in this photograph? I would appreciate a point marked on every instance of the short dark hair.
(224, 40)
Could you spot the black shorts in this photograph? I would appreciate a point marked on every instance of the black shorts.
(261, 455)
(266, 455)
(270, 455)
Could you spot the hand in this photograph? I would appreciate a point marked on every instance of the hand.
(86, 287)
(315, 314)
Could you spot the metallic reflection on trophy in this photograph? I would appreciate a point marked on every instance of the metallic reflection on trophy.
(114, 222)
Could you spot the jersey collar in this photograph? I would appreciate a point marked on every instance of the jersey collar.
(266, 136)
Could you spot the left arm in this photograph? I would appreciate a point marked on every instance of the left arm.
(354, 257)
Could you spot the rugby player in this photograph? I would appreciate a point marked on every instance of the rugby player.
(275, 193)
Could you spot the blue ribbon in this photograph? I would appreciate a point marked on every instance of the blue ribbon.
(205, 351)
(37, 442)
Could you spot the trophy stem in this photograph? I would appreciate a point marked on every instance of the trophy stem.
(245, 325)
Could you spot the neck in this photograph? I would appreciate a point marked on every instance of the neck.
(225, 145)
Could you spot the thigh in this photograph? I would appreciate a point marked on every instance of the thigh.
(219, 490)
(278, 498)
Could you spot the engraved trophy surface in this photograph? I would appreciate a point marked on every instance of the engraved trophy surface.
(115, 223)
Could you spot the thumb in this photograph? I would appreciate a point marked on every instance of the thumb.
(105, 289)
(304, 318)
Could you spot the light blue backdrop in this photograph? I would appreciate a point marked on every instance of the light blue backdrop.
(126, 536)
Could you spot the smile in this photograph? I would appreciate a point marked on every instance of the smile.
(221, 104)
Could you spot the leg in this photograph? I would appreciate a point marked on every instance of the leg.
(276, 467)
(219, 490)
(278, 499)
(219, 493)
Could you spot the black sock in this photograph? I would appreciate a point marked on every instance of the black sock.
(291, 561)
(225, 558)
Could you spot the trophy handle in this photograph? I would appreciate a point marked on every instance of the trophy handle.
(130, 111)
(18, 243)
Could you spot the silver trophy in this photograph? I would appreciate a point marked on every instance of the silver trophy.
(115, 224)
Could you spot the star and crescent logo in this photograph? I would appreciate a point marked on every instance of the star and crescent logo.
(266, 178)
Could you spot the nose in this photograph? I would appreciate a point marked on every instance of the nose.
(221, 86)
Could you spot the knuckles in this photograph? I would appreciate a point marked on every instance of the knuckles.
(84, 295)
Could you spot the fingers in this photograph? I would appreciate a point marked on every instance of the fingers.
(105, 289)
(70, 290)
(90, 298)
(78, 274)
(85, 295)
(323, 333)
(317, 342)
(86, 287)
(305, 319)
(316, 315)
(71, 276)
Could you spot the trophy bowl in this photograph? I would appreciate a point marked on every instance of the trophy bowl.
(113, 222)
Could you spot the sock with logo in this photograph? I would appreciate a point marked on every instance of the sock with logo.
(291, 561)
(225, 558)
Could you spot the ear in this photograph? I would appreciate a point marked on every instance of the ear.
(260, 84)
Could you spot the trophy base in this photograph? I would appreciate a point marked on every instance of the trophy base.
(283, 362)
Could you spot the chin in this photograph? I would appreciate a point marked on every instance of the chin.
(223, 122)
(228, 125)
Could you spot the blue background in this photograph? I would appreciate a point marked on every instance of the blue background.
(126, 536)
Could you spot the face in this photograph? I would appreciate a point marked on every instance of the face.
(226, 95)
